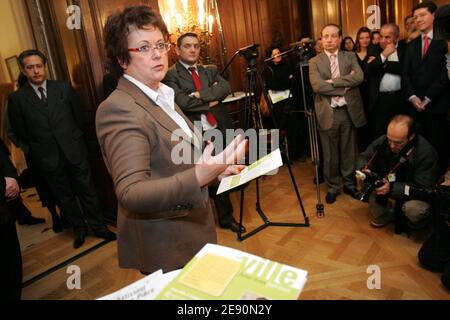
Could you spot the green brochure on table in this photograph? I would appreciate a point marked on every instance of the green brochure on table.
(221, 273)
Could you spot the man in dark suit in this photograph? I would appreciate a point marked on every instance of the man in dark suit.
(423, 83)
(10, 256)
(335, 76)
(199, 91)
(47, 117)
(384, 74)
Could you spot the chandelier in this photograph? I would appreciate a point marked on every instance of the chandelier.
(181, 16)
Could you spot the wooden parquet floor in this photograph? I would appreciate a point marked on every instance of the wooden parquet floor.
(42, 249)
(336, 250)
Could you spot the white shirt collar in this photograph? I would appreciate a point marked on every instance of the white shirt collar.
(35, 87)
(330, 53)
(429, 34)
(152, 94)
(187, 66)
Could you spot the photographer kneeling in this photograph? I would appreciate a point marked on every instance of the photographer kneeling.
(392, 162)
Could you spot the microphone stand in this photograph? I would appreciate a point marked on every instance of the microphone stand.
(280, 55)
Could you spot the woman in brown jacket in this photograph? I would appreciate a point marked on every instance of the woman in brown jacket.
(164, 214)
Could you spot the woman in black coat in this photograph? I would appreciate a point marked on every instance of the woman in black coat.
(278, 75)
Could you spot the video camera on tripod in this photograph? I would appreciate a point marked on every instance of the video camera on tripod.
(250, 53)
(303, 49)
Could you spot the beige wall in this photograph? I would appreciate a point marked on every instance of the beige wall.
(15, 35)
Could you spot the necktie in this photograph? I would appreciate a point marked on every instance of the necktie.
(198, 87)
(43, 97)
(426, 44)
(334, 67)
(335, 74)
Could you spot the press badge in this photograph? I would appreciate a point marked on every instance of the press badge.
(391, 177)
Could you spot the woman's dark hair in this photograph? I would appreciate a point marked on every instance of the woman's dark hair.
(343, 43)
(270, 49)
(361, 30)
(29, 53)
(117, 29)
(373, 33)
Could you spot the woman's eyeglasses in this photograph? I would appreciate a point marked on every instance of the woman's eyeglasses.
(161, 47)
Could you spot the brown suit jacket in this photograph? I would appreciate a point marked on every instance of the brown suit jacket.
(164, 217)
(319, 72)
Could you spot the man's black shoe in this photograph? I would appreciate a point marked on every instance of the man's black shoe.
(30, 221)
(80, 236)
(233, 226)
(353, 192)
(57, 226)
(105, 234)
(330, 197)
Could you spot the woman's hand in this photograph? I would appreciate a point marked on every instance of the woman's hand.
(231, 171)
(210, 167)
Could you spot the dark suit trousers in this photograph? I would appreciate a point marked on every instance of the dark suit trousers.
(69, 181)
(339, 151)
(387, 106)
(11, 262)
(222, 202)
(434, 127)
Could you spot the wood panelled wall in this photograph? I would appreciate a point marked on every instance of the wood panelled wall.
(248, 22)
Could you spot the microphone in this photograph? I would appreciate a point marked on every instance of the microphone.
(301, 43)
(249, 47)
(275, 56)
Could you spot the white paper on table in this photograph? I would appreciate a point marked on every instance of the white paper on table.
(144, 289)
(265, 165)
(277, 96)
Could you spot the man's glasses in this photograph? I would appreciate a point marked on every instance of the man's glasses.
(161, 47)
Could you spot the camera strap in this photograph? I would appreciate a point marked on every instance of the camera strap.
(404, 158)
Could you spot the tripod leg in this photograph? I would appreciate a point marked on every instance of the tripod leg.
(241, 215)
(252, 75)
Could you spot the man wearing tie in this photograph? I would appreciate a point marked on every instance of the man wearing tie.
(199, 91)
(335, 76)
(423, 84)
(47, 117)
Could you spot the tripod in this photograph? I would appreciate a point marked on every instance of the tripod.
(253, 115)
(314, 142)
